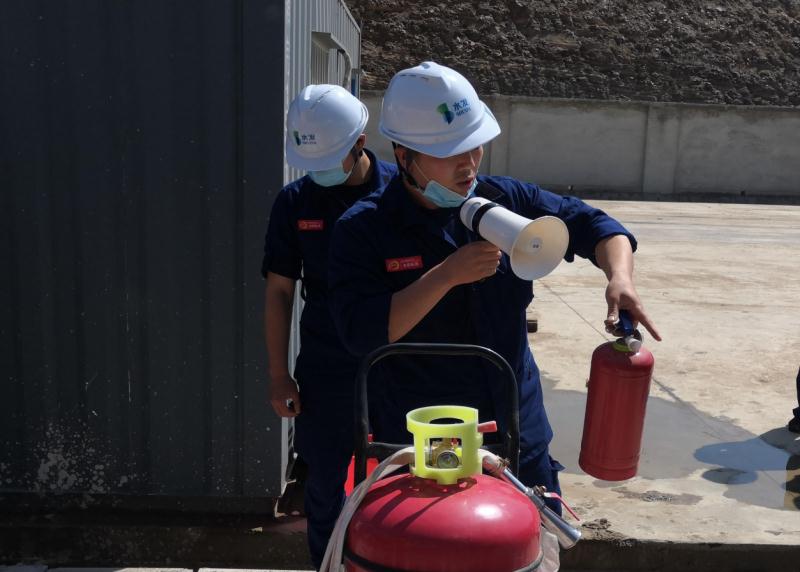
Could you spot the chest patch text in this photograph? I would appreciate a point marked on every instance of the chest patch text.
(405, 263)
(306, 224)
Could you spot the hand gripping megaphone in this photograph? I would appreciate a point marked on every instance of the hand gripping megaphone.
(535, 247)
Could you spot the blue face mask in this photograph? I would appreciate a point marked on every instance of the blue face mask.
(330, 177)
(443, 197)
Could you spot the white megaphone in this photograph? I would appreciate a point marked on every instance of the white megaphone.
(535, 247)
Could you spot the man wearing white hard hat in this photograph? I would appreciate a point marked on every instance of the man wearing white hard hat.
(324, 136)
(404, 268)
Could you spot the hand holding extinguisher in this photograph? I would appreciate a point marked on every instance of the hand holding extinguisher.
(618, 387)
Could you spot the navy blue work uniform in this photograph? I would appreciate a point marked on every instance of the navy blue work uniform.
(386, 242)
(296, 246)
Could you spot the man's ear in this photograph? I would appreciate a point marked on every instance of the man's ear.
(361, 142)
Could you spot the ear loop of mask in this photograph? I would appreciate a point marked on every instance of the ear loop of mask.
(405, 171)
(356, 154)
(402, 168)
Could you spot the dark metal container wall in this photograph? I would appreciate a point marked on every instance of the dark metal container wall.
(140, 150)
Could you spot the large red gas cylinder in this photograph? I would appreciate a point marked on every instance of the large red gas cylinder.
(619, 383)
(478, 524)
(445, 515)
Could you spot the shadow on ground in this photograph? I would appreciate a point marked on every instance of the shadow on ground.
(679, 441)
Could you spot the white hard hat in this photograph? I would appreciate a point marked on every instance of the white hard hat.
(323, 124)
(436, 111)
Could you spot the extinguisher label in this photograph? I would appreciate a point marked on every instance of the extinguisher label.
(405, 263)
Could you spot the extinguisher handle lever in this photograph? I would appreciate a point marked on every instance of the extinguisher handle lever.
(625, 323)
(631, 337)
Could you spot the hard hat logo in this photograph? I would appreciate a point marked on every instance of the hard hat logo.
(446, 113)
(461, 107)
(305, 138)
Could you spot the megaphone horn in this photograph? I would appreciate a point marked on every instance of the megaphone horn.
(535, 247)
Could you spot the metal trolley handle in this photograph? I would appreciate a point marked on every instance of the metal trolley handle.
(363, 449)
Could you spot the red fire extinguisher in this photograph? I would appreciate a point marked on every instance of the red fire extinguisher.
(619, 383)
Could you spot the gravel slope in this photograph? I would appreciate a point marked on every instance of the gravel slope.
(728, 51)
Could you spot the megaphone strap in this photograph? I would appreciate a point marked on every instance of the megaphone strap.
(482, 210)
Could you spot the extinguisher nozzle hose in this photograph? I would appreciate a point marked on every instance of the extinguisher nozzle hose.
(567, 534)
(332, 561)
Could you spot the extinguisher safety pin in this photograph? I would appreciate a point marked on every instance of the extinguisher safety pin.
(548, 495)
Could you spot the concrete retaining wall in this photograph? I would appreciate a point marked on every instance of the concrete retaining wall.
(640, 150)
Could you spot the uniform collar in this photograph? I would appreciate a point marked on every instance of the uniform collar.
(375, 178)
(488, 191)
(401, 207)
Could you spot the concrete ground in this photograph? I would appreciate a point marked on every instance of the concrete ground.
(722, 284)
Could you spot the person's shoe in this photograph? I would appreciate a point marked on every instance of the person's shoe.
(794, 425)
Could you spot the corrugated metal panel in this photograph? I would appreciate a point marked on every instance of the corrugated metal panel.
(320, 63)
(265, 34)
(135, 196)
(332, 16)
(147, 148)
(308, 62)
(308, 16)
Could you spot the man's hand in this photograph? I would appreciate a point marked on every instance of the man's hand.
(284, 396)
(472, 262)
(621, 295)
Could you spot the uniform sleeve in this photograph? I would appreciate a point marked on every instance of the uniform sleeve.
(359, 293)
(587, 225)
(282, 253)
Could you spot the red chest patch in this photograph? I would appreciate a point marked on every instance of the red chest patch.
(401, 264)
(305, 224)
